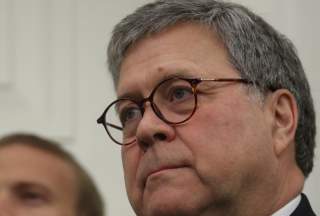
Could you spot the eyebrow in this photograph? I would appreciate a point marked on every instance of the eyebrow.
(23, 185)
(179, 73)
(130, 95)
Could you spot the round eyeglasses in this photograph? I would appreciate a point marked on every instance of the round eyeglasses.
(173, 100)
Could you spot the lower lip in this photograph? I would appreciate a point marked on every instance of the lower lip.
(157, 175)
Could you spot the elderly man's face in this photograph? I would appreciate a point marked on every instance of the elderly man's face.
(211, 163)
(35, 183)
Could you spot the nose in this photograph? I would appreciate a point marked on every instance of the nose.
(152, 129)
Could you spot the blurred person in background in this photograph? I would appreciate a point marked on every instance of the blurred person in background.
(39, 178)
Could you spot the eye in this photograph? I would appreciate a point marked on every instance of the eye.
(179, 94)
(129, 114)
(30, 194)
(32, 198)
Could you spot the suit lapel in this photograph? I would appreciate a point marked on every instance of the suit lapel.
(304, 208)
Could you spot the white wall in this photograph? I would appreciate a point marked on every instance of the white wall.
(53, 78)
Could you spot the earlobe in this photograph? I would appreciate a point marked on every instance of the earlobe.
(285, 119)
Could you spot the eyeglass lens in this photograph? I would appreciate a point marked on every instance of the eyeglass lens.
(173, 101)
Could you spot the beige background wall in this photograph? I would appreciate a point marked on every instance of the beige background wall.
(53, 79)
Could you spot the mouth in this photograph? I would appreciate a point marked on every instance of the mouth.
(165, 169)
(161, 170)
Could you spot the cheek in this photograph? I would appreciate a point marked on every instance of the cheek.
(130, 161)
(130, 164)
(222, 138)
(215, 130)
(228, 126)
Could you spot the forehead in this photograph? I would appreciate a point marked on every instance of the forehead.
(20, 164)
(186, 49)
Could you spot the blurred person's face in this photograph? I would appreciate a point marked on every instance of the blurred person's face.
(34, 182)
(210, 164)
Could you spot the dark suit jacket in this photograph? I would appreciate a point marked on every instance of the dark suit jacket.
(304, 208)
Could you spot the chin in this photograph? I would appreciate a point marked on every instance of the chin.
(172, 203)
(167, 209)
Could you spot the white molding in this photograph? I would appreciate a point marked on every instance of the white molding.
(41, 51)
(62, 75)
(4, 75)
(5, 10)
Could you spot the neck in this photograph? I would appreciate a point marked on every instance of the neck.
(287, 184)
(291, 186)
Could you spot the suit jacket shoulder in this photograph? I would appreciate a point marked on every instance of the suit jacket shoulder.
(304, 208)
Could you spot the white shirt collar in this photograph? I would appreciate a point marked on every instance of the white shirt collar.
(289, 208)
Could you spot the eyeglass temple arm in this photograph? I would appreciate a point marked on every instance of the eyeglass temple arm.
(228, 80)
(114, 126)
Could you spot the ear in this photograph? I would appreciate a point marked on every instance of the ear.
(284, 119)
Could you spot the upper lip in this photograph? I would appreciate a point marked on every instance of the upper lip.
(163, 168)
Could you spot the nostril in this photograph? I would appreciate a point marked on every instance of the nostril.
(143, 145)
(160, 136)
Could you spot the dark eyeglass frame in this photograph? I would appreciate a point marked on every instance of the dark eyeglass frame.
(193, 83)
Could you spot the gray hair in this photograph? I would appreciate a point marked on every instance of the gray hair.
(255, 49)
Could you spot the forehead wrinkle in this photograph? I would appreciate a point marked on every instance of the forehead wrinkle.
(150, 83)
(176, 68)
